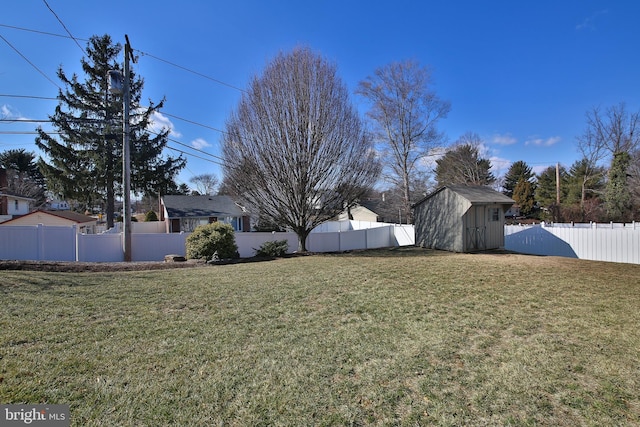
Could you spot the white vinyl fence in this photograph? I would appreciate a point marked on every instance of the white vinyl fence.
(599, 242)
(58, 243)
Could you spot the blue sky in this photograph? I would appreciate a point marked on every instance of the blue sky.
(519, 74)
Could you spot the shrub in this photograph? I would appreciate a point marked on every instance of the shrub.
(273, 248)
(150, 216)
(211, 238)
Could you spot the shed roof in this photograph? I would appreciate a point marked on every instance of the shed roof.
(201, 206)
(475, 194)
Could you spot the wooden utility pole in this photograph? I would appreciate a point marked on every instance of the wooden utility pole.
(126, 157)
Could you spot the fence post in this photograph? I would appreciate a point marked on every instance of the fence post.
(75, 230)
(40, 234)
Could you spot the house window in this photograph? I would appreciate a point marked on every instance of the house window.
(494, 214)
(16, 205)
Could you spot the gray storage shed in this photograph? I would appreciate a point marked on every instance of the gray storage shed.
(461, 219)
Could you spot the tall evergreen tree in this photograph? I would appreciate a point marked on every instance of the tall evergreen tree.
(517, 172)
(618, 196)
(462, 165)
(524, 196)
(546, 188)
(547, 191)
(84, 162)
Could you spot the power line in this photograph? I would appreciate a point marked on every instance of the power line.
(216, 160)
(193, 155)
(28, 96)
(137, 50)
(192, 122)
(190, 71)
(18, 132)
(189, 147)
(63, 26)
(97, 120)
(13, 27)
(24, 121)
(30, 63)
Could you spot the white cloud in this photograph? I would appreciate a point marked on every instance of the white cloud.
(590, 21)
(158, 122)
(540, 142)
(199, 144)
(8, 112)
(538, 169)
(499, 165)
(506, 139)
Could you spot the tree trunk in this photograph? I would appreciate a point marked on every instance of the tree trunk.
(406, 198)
(302, 240)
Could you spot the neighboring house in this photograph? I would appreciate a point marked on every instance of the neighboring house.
(11, 205)
(461, 219)
(185, 213)
(58, 205)
(85, 224)
(513, 212)
(363, 211)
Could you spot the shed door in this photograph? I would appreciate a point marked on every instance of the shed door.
(476, 228)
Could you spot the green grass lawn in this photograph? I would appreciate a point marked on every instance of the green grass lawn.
(386, 337)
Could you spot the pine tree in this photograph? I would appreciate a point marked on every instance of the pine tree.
(84, 162)
(524, 196)
(517, 172)
(546, 187)
(462, 165)
(618, 196)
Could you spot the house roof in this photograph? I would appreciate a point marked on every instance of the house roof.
(475, 194)
(202, 206)
(13, 196)
(68, 215)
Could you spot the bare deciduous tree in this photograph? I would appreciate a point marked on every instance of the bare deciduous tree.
(295, 147)
(405, 111)
(613, 130)
(206, 183)
(608, 135)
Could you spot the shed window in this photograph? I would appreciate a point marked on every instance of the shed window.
(494, 214)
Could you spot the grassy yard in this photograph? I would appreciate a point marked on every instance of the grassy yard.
(387, 337)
